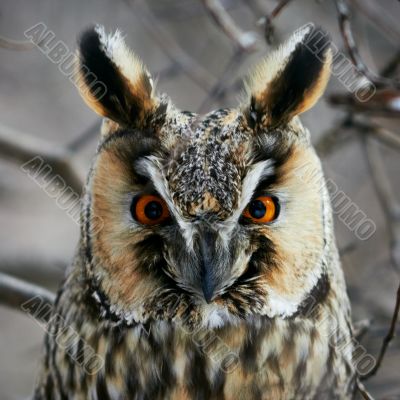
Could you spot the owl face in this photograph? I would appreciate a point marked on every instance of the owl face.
(208, 218)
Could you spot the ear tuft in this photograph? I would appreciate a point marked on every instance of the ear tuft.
(112, 80)
(292, 78)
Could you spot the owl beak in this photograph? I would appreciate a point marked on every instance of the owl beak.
(207, 263)
(207, 284)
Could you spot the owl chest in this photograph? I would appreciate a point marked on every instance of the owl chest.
(276, 360)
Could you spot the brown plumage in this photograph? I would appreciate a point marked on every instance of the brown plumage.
(207, 266)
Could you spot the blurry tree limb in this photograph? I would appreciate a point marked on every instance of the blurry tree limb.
(19, 45)
(232, 65)
(379, 19)
(21, 148)
(269, 29)
(363, 391)
(257, 7)
(361, 328)
(82, 139)
(15, 292)
(334, 137)
(386, 197)
(388, 338)
(35, 268)
(391, 209)
(384, 102)
(352, 49)
(339, 135)
(245, 41)
(392, 65)
(380, 133)
(171, 71)
(348, 248)
(168, 45)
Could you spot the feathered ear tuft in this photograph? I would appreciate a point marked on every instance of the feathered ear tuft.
(291, 79)
(112, 80)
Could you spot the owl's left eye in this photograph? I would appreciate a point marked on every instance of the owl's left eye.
(149, 209)
(262, 209)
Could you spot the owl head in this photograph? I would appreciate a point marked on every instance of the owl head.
(211, 218)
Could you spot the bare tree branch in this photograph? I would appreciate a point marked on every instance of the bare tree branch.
(15, 292)
(392, 65)
(19, 45)
(21, 148)
(334, 137)
(384, 135)
(245, 41)
(379, 19)
(269, 29)
(388, 338)
(82, 139)
(363, 391)
(350, 44)
(386, 197)
(169, 46)
(221, 85)
(391, 208)
(383, 103)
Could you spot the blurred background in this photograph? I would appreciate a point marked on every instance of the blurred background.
(198, 51)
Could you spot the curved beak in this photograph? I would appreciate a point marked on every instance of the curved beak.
(208, 263)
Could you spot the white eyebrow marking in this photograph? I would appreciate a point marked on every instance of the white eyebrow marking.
(257, 172)
(151, 167)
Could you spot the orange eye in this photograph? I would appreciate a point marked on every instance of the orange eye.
(261, 210)
(149, 209)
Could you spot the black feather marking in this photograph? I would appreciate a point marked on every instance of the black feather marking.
(118, 101)
(300, 74)
(101, 388)
(309, 306)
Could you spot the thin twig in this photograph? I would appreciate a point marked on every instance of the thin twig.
(245, 41)
(82, 139)
(15, 292)
(269, 29)
(220, 86)
(386, 197)
(391, 210)
(384, 103)
(363, 391)
(334, 137)
(169, 46)
(379, 18)
(19, 45)
(392, 65)
(21, 148)
(388, 338)
(352, 49)
(384, 135)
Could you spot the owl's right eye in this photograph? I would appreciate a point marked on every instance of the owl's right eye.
(149, 209)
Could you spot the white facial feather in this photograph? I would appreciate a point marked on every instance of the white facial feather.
(257, 172)
(152, 168)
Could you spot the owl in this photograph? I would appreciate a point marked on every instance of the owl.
(207, 266)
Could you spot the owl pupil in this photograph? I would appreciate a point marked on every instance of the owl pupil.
(153, 210)
(257, 209)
